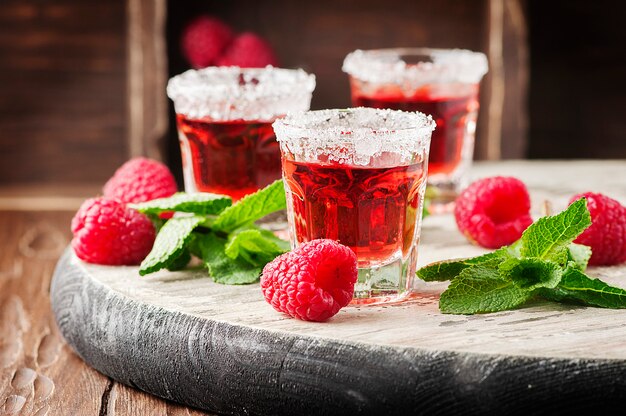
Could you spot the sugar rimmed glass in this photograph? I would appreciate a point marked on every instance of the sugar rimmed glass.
(358, 176)
(224, 117)
(441, 82)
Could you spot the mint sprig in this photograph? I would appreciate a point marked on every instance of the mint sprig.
(255, 246)
(222, 235)
(480, 289)
(577, 287)
(170, 243)
(252, 207)
(544, 263)
(222, 268)
(201, 203)
(548, 237)
(442, 271)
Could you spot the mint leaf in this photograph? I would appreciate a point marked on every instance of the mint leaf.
(169, 243)
(544, 262)
(201, 203)
(530, 274)
(222, 268)
(252, 207)
(253, 246)
(578, 256)
(449, 269)
(282, 244)
(577, 287)
(548, 237)
(180, 262)
(480, 289)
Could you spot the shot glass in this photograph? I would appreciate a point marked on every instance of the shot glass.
(358, 176)
(443, 83)
(224, 117)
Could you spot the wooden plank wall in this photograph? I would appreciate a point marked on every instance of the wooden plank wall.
(63, 90)
(83, 81)
(147, 77)
(317, 35)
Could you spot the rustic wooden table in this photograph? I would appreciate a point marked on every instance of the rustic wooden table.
(41, 375)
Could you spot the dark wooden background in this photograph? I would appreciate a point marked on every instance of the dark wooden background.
(62, 90)
(68, 80)
(577, 97)
(316, 36)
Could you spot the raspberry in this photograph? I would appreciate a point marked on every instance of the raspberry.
(107, 232)
(607, 233)
(493, 212)
(140, 180)
(204, 39)
(248, 50)
(311, 282)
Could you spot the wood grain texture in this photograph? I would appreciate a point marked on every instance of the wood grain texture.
(62, 107)
(317, 36)
(502, 131)
(224, 349)
(46, 197)
(147, 77)
(39, 374)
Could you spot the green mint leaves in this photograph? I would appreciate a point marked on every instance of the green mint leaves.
(221, 234)
(222, 268)
(575, 286)
(199, 203)
(544, 263)
(548, 237)
(255, 246)
(481, 289)
(169, 244)
(252, 207)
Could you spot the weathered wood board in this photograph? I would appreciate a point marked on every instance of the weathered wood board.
(40, 375)
(224, 349)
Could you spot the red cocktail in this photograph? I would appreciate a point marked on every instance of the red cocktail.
(233, 158)
(224, 117)
(442, 83)
(451, 113)
(371, 210)
(358, 176)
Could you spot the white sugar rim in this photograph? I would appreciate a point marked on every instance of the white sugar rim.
(219, 93)
(365, 131)
(387, 66)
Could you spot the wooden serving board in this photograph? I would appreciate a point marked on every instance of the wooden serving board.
(222, 348)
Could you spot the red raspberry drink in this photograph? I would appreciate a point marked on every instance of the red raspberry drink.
(451, 113)
(224, 117)
(358, 176)
(233, 158)
(371, 210)
(441, 83)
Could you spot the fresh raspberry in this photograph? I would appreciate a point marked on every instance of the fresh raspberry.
(607, 233)
(107, 232)
(311, 282)
(248, 50)
(493, 212)
(140, 180)
(204, 39)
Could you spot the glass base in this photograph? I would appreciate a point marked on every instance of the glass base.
(441, 196)
(387, 283)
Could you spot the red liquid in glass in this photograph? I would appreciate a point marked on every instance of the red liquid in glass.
(450, 112)
(233, 158)
(371, 210)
